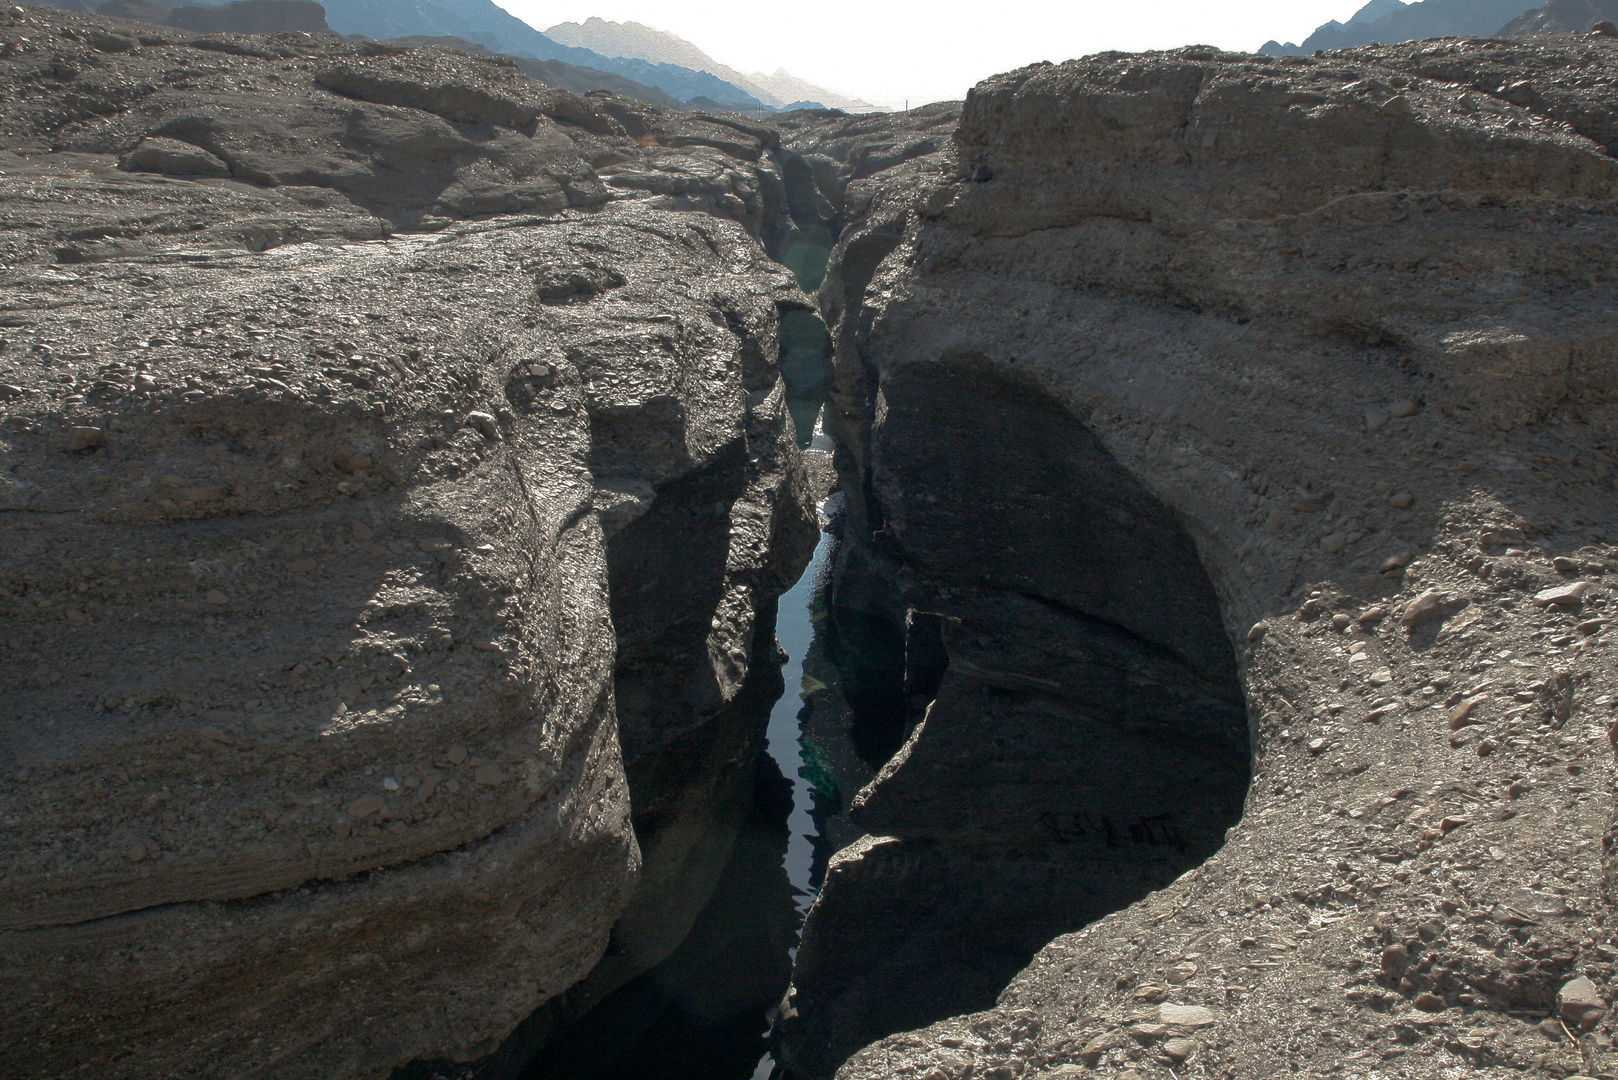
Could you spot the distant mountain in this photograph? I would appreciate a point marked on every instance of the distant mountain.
(557, 73)
(1389, 21)
(637, 41)
(1563, 17)
(482, 22)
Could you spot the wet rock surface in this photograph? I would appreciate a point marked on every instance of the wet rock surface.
(1339, 318)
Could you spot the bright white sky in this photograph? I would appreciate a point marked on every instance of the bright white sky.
(931, 50)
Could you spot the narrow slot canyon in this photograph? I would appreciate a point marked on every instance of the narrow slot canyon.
(1110, 577)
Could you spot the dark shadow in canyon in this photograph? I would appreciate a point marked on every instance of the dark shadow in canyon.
(1032, 656)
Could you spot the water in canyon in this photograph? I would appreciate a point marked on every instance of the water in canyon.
(704, 1013)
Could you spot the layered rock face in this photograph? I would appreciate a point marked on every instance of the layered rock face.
(1190, 385)
(328, 563)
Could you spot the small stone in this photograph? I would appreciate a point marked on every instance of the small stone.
(1401, 501)
(390, 784)
(215, 735)
(485, 423)
(456, 755)
(429, 784)
(488, 774)
(1255, 632)
(1332, 543)
(137, 852)
(1184, 1015)
(365, 806)
(1144, 1033)
(1450, 824)
(1179, 1049)
(1580, 1002)
(215, 596)
(433, 543)
(1395, 958)
(1565, 564)
(1340, 622)
(1317, 746)
(1375, 421)
(452, 786)
(1430, 1002)
(1422, 608)
(1563, 595)
(1180, 973)
(1461, 715)
(1396, 562)
(1396, 107)
(362, 531)
(1602, 29)
(1403, 409)
(85, 438)
(1100, 1045)
(349, 690)
(1374, 614)
(1380, 677)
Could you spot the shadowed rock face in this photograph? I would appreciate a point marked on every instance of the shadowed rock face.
(1330, 334)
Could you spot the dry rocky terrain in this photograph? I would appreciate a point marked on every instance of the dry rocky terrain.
(1349, 320)
(399, 478)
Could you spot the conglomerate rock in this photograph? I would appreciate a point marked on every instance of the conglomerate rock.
(1348, 323)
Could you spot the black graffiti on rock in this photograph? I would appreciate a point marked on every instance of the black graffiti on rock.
(1156, 830)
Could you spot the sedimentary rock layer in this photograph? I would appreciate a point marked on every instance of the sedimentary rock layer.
(1346, 322)
(324, 557)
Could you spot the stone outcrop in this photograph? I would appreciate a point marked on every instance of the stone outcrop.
(343, 578)
(1185, 373)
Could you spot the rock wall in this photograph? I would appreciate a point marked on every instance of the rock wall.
(1214, 381)
(342, 578)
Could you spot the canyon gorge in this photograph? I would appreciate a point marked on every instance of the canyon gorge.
(1203, 466)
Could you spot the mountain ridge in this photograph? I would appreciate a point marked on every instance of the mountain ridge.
(633, 40)
(1391, 21)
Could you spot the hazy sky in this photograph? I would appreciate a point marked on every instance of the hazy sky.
(888, 50)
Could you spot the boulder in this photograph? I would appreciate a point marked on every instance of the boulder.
(174, 157)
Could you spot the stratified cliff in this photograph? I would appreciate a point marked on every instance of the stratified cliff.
(341, 578)
(1191, 395)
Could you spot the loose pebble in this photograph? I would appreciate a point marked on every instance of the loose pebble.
(456, 755)
(485, 423)
(84, 438)
(1563, 595)
(362, 531)
(1184, 1015)
(488, 774)
(1401, 501)
(365, 806)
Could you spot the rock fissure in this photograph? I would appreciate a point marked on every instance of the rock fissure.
(1210, 668)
